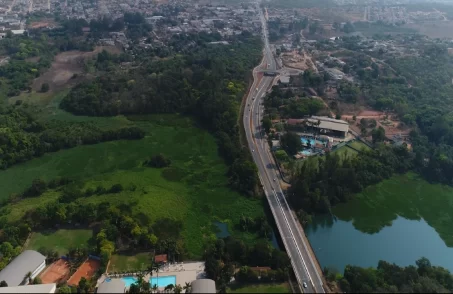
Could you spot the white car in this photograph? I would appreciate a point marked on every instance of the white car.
(274, 179)
(305, 285)
(253, 150)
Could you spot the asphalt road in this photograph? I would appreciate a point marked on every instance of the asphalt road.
(291, 234)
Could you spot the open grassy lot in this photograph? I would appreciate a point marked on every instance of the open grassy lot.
(125, 262)
(358, 145)
(347, 151)
(60, 240)
(405, 195)
(260, 288)
(193, 189)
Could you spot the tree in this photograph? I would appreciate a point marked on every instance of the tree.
(3, 284)
(187, 287)
(83, 285)
(177, 289)
(348, 28)
(36, 281)
(38, 187)
(267, 124)
(169, 287)
(28, 278)
(158, 161)
(64, 289)
(7, 250)
(45, 87)
(154, 267)
(378, 135)
(134, 288)
(291, 143)
(281, 155)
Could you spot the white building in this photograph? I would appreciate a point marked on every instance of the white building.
(40, 288)
(14, 274)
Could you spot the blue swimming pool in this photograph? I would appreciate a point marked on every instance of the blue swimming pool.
(313, 142)
(129, 281)
(306, 152)
(164, 281)
(305, 141)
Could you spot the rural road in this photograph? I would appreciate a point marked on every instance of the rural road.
(291, 234)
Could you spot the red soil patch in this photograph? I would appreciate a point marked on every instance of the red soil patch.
(86, 270)
(56, 272)
(370, 113)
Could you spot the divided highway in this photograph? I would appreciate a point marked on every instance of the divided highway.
(304, 266)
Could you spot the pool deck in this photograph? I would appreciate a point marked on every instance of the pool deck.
(184, 272)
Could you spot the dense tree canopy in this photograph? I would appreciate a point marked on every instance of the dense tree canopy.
(391, 278)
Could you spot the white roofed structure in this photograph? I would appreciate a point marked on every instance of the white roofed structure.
(39, 288)
(28, 261)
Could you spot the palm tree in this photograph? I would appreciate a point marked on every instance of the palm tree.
(187, 287)
(177, 289)
(154, 288)
(28, 277)
(156, 267)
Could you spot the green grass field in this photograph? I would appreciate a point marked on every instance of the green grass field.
(123, 262)
(60, 240)
(346, 151)
(406, 195)
(194, 189)
(260, 288)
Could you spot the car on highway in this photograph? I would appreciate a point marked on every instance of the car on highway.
(253, 150)
(274, 179)
(305, 285)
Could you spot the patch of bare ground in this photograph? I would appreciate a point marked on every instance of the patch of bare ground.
(43, 23)
(67, 69)
(390, 122)
(298, 60)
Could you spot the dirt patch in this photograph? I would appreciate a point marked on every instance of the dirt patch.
(57, 272)
(300, 61)
(390, 122)
(86, 270)
(66, 68)
(44, 23)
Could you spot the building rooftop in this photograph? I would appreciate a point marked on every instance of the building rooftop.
(28, 261)
(330, 123)
(284, 79)
(112, 286)
(40, 288)
(161, 258)
(203, 286)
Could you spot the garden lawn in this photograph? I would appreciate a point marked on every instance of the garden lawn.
(260, 288)
(60, 240)
(194, 189)
(132, 262)
(359, 145)
(345, 151)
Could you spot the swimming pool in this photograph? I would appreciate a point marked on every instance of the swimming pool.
(306, 152)
(305, 141)
(129, 281)
(313, 142)
(164, 281)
